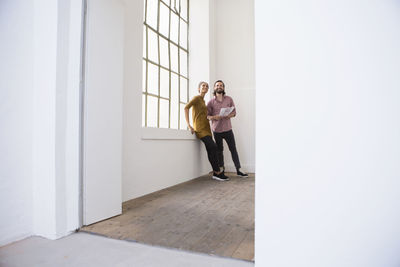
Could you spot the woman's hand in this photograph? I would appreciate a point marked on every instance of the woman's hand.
(191, 129)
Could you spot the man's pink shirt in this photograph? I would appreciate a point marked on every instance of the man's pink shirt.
(214, 107)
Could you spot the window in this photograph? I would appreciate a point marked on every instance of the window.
(165, 63)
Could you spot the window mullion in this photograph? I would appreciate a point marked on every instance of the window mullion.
(169, 66)
(145, 85)
(179, 76)
(159, 63)
(147, 72)
(187, 45)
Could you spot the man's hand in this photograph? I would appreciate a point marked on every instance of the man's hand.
(215, 118)
(231, 115)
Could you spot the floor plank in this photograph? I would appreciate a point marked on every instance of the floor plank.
(201, 215)
(246, 248)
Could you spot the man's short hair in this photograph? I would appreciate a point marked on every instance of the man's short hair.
(219, 81)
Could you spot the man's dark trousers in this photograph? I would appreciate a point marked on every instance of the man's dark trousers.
(230, 140)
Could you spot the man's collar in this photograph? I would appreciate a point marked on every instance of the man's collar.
(216, 98)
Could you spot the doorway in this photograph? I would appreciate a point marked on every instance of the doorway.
(118, 154)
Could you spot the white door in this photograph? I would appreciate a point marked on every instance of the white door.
(102, 130)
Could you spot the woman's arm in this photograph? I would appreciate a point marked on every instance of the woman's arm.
(187, 107)
(187, 120)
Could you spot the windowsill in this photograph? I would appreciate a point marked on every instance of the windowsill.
(148, 133)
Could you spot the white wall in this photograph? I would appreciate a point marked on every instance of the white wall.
(102, 131)
(39, 138)
(72, 117)
(200, 60)
(16, 120)
(148, 164)
(232, 45)
(328, 147)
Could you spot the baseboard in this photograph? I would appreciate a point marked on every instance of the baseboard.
(246, 168)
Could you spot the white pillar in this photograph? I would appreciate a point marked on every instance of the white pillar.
(57, 30)
(45, 81)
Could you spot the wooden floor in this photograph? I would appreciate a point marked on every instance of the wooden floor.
(201, 215)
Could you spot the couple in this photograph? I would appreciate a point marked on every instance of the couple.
(221, 126)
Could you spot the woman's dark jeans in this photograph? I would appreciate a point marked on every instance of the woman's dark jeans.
(211, 148)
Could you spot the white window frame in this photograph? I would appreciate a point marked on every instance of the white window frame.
(174, 7)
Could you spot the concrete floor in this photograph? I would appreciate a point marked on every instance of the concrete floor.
(82, 249)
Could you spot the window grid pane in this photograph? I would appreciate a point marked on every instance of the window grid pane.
(143, 110)
(183, 34)
(165, 63)
(184, 9)
(174, 101)
(183, 62)
(152, 46)
(152, 111)
(144, 76)
(183, 89)
(152, 13)
(164, 19)
(164, 113)
(164, 83)
(182, 124)
(152, 78)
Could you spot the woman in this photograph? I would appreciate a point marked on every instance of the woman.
(201, 127)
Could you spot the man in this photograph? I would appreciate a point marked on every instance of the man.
(221, 125)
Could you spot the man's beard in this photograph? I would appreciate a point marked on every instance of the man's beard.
(220, 91)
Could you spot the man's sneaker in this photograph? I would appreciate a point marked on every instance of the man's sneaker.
(241, 174)
(220, 177)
